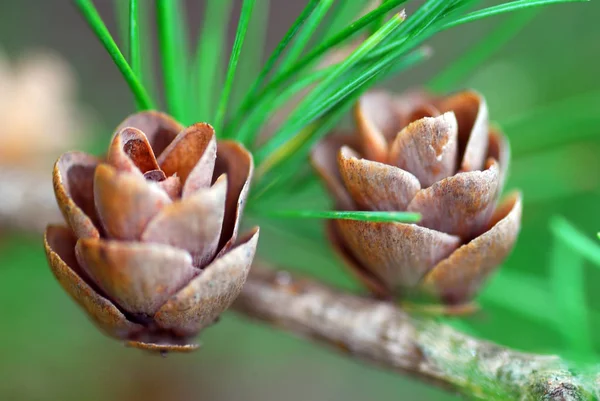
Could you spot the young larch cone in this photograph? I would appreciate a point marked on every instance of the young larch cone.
(437, 156)
(150, 250)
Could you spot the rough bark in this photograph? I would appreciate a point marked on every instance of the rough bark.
(385, 335)
(362, 328)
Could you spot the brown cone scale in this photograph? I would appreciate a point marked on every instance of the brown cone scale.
(150, 249)
(437, 156)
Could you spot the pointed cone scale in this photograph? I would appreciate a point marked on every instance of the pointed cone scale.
(159, 128)
(376, 186)
(59, 243)
(172, 187)
(199, 303)
(126, 202)
(193, 223)
(73, 179)
(459, 205)
(130, 151)
(427, 148)
(201, 175)
(185, 152)
(235, 161)
(139, 277)
(398, 254)
(471, 113)
(458, 278)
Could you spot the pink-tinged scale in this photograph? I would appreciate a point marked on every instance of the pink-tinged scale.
(151, 227)
(434, 155)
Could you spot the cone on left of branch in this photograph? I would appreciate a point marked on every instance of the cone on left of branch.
(150, 250)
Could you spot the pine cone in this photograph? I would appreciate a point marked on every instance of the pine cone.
(150, 250)
(435, 156)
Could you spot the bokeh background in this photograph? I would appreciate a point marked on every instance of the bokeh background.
(543, 87)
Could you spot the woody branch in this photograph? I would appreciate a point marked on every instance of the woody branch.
(362, 328)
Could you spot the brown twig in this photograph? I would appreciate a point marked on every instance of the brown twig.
(385, 335)
(363, 328)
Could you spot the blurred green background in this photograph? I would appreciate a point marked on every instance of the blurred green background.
(543, 87)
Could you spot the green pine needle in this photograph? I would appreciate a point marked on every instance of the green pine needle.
(410, 60)
(568, 284)
(547, 177)
(122, 17)
(556, 120)
(295, 152)
(306, 33)
(504, 8)
(282, 45)
(269, 65)
(240, 35)
(89, 12)
(573, 238)
(173, 61)
(529, 296)
(343, 11)
(181, 31)
(134, 39)
(375, 217)
(147, 74)
(452, 76)
(326, 96)
(375, 25)
(276, 149)
(209, 58)
(251, 128)
(140, 29)
(474, 16)
(248, 132)
(251, 60)
(323, 48)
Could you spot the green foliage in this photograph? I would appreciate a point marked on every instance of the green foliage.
(560, 301)
(324, 97)
(378, 217)
(306, 33)
(251, 59)
(328, 95)
(95, 21)
(456, 73)
(556, 121)
(505, 8)
(173, 55)
(567, 283)
(209, 59)
(233, 61)
(330, 42)
(134, 39)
